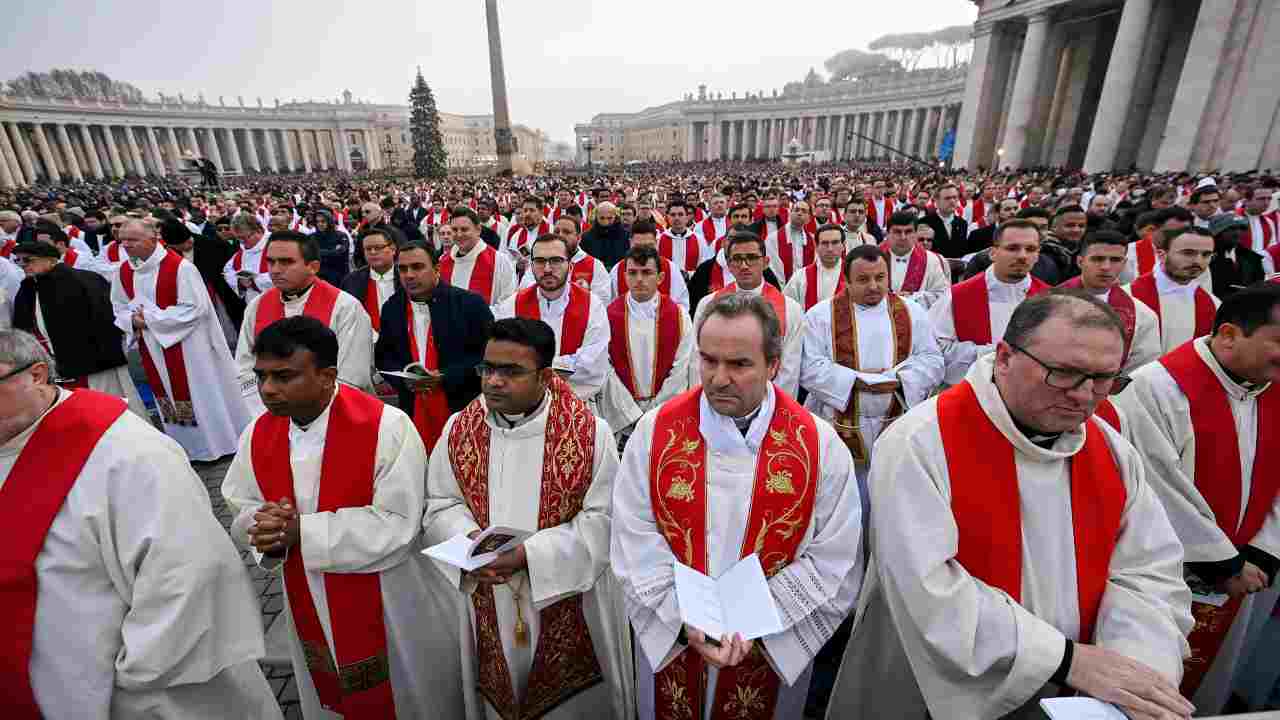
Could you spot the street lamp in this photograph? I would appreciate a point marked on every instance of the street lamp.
(588, 144)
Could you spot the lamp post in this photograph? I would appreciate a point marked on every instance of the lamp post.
(588, 144)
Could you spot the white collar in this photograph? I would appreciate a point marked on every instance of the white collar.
(153, 260)
(992, 281)
(647, 309)
(879, 308)
(471, 254)
(723, 435)
(554, 307)
(318, 426)
(980, 378)
(1233, 388)
(578, 256)
(1166, 285)
(382, 277)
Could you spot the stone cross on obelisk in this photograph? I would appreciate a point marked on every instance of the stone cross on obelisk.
(498, 78)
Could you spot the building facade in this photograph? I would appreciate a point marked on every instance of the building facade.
(64, 139)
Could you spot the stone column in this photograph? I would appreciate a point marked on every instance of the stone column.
(87, 140)
(46, 154)
(342, 148)
(64, 143)
(290, 163)
(20, 147)
(113, 152)
(1195, 86)
(81, 156)
(251, 149)
(10, 155)
(154, 146)
(302, 146)
(6, 166)
(229, 134)
(135, 154)
(174, 148)
(976, 116)
(212, 151)
(1023, 103)
(269, 144)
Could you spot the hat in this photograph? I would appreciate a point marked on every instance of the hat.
(1226, 221)
(37, 249)
(1206, 182)
(77, 211)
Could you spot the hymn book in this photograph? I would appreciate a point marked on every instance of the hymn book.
(737, 602)
(412, 371)
(466, 554)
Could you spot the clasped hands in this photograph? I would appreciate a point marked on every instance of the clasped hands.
(276, 528)
(878, 388)
(499, 571)
(1249, 580)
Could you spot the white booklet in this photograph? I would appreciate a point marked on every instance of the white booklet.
(412, 371)
(462, 552)
(738, 601)
(1080, 708)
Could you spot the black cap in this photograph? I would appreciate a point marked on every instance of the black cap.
(37, 249)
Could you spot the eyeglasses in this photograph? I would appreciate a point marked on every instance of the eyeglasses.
(17, 371)
(555, 262)
(1070, 378)
(745, 259)
(503, 372)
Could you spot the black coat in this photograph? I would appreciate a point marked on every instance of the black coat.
(356, 283)
(949, 242)
(460, 327)
(982, 238)
(490, 238)
(335, 255)
(211, 255)
(76, 306)
(608, 244)
(1229, 277)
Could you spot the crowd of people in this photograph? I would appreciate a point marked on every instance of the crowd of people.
(992, 437)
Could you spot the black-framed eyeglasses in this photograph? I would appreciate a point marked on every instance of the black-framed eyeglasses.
(555, 262)
(1061, 378)
(745, 259)
(18, 371)
(504, 372)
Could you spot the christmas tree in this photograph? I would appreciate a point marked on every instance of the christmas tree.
(424, 123)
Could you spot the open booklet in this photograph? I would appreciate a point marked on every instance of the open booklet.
(738, 601)
(412, 371)
(1080, 708)
(462, 552)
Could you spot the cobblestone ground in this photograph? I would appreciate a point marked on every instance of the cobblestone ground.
(270, 592)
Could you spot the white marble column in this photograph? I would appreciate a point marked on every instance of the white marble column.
(113, 152)
(10, 155)
(291, 164)
(94, 164)
(251, 150)
(76, 148)
(68, 152)
(342, 149)
(976, 116)
(174, 149)
(46, 154)
(6, 167)
(23, 154)
(270, 144)
(153, 146)
(233, 150)
(193, 144)
(302, 146)
(1023, 103)
(212, 151)
(1195, 86)
(135, 153)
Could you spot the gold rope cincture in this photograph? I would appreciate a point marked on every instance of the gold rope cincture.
(522, 628)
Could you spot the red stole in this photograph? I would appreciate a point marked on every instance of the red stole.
(320, 304)
(583, 271)
(984, 475)
(430, 409)
(620, 287)
(481, 280)
(977, 212)
(811, 285)
(715, 282)
(692, 249)
(971, 309)
(770, 293)
(1144, 251)
(237, 261)
(1107, 412)
(666, 341)
(371, 304)
(1274, 252)
(1122, 303)
(175, 403)
(844, 345)
(1217, 478)
(709, 234)
(564, 661)
(43, 475)
(878, 211)
(70, 257)
(1268, 232)
(523, 232)
(782, 500)
(113, 251)
(787, 253)
(1144, 288)
(573, 329)
(7, 249)
(360, 684)
(916, 267)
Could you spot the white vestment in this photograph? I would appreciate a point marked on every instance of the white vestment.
(385, 285)
(250, 261)
(829, 383)
(1130, 271)
(112, 381)
(564, 560)
(679, 288)
(797, 288)
(219, 411)
(855, 237)
(617, 404)
(1177, 320)
(679, 248)
(1002, 299)
(798, 239)
(1145, 345)
(504, 272)
(11, 277)
(813, 593)
(975, 652)
(1159, 416)
(144, 608)
(417, 608)
(590, 363)
(937, 277)
(349, 322)
(788, 377)
(600, 286)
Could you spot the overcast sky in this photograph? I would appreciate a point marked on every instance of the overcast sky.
(566, 60)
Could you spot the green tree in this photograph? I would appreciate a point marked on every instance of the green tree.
(429, 155)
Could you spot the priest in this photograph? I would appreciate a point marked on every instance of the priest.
(976, 312)
(438, 326)
(162, 306)
(296, 289)
(473, 265)
(915, 272)
(869, 355)
(1101, 260)
(1023, 553)
(124, 597)
(542, 634)
(327, 487)
(792, 246)
(576, 316)
(375, 283)
(671, 284)
(1205, 418)
(748, 264)
(679, 244)
(650, 343)
(585, 271)
(69, 312)
(1183, 308)
(246, 272)
(821, 279)
(713, 274)
(725, 470)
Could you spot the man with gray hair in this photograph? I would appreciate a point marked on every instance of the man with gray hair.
(10, 222)
(124, 596)
(1020, 551)
(732, 469)
(246, 271)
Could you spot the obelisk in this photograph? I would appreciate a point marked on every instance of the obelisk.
(498, 79)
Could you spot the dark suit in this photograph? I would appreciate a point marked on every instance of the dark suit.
(490, 237)
(459, 326)
(357, 283)
(950, 242)
(1229, 276)
(76, 307)
(211, 254)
